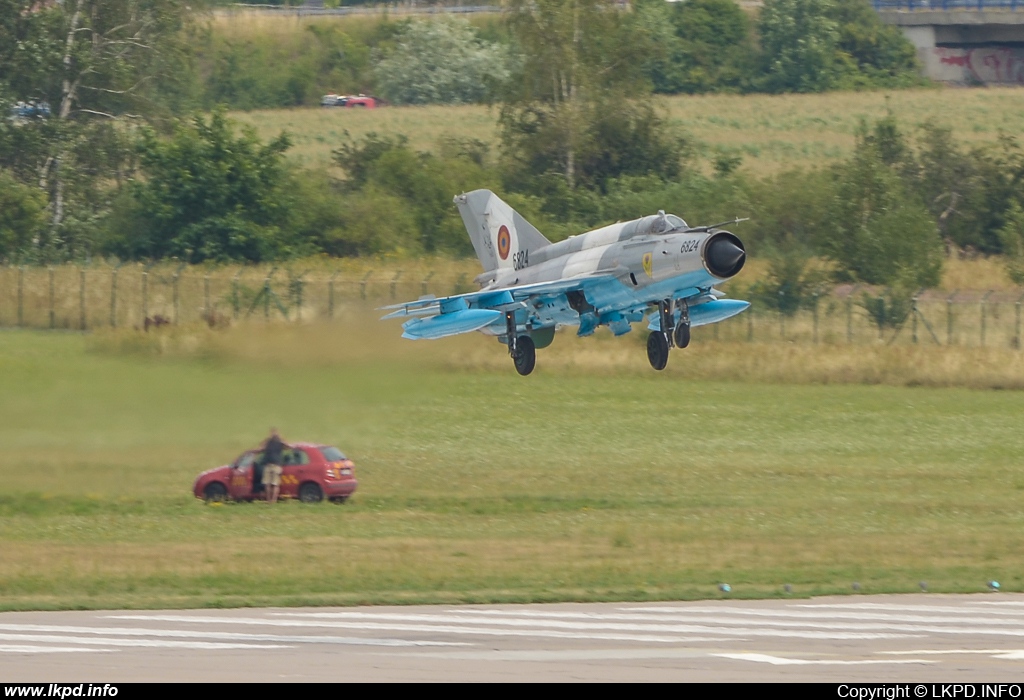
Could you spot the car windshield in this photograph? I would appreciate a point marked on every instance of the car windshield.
(332, 454)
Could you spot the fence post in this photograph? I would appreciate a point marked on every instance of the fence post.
(984, 308)
(234, 293)
(298, 297)
(174, 290)
(815, 311)
(145, 296)
(113, 296)
(81, 298)
(913, 321)
(849, 318)
(53, 301)
(266, 297)
(425, 280)
(750, 324)
(949, 317)
(362, 285)
(394, 284)
(330, 294)
(21, 297)
(1016, 325)
(207, 311)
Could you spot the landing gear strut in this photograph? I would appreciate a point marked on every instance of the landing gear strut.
(681, 334)
(671, 333)
(521, 348)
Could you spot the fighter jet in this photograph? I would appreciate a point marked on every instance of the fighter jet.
(656, 268)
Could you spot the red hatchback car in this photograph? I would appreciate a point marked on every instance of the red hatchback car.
(310, 473)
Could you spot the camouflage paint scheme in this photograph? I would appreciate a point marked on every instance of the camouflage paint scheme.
(612, 276)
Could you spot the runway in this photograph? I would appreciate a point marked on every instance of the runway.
(908, 638)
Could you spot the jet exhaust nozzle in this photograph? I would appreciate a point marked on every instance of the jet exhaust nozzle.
(724, 254)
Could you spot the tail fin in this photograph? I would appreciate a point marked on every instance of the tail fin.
(501, 237)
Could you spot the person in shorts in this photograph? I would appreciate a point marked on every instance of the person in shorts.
(272, 448)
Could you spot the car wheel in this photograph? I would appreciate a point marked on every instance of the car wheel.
(338, 500)
(310, 493)
(215, 492)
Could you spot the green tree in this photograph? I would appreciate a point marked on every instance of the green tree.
(93, 64)
(880, 231)
(878, 52)
(424, 183)
(441, 62)
(697, 46)
(799, 41)
(1011, 235)
(579, 105)
(207, 194)
(22, 217)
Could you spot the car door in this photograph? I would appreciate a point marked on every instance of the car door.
(240, 486)
(295, 464)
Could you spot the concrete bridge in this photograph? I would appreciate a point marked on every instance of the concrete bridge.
(970, 42)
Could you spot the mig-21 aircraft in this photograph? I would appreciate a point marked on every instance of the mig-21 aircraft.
(655, 268)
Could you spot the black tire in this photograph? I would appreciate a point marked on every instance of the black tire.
(657, 350)
(338, 500)
(681, 335)
(310, 492)
(525, 357)
(215, 492)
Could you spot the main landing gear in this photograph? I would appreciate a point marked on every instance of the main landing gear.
(671, 333)
(521, 348)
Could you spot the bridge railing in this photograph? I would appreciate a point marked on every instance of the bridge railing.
(932, 5)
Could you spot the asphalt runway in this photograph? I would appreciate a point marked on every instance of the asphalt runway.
(906, 638)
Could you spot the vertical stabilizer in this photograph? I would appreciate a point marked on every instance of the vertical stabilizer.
(501, 237)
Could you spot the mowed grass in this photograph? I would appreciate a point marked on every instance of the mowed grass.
(771, 132)
(480, 485)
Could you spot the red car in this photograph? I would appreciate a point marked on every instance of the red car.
(310, 473)
(333, 100)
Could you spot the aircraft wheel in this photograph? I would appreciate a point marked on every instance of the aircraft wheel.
(526, 355)
(681, 335)
(657, 350)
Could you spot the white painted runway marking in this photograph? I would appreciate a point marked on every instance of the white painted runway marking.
(237, 636)
(963, 609)
(782, 661)
(924, 652)
(111, 641)
(594, 623)
(29, 649)
(789, 618)
(429, 628)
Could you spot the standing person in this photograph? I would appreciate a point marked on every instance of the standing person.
(272, 447)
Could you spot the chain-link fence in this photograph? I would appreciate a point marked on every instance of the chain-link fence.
(134, 296)
(137, 296)
(851, 314)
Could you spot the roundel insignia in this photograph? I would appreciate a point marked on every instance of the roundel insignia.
(504, 242)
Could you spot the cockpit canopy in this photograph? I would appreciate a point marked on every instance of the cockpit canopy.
(653, 225)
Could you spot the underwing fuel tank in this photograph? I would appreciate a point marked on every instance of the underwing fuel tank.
(447, 324)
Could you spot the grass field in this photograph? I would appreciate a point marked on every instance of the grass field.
(771, 132)
(578, 483)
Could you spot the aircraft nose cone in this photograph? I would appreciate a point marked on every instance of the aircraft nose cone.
(724, 257)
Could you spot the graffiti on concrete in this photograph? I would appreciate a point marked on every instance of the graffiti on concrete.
(987, 65)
